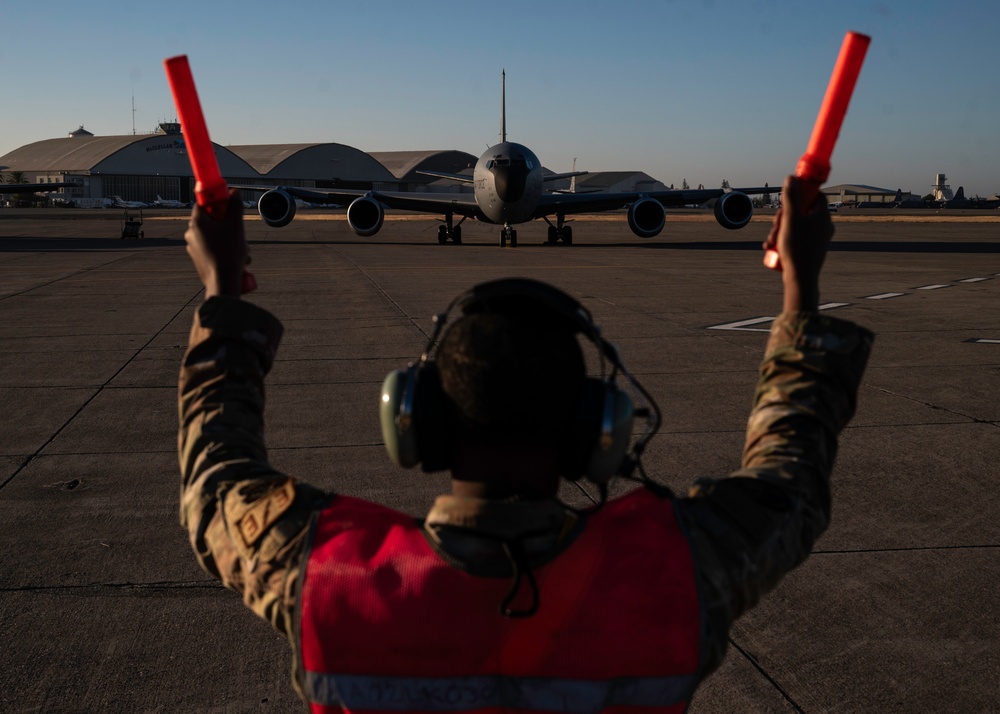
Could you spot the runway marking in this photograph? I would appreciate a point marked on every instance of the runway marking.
(884, 296)
(980, 341)
(937, 286)
(744, 325)
(973, 280)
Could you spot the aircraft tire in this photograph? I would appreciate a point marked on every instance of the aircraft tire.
(513, 239)
(568, 235)
(456, 235)
(442, 235)
(553, 236)
(503, 239)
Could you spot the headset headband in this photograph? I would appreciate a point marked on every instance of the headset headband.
(524, 295)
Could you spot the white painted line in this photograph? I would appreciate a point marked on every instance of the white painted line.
(933, 287)
(986, 342)
(973, 280)
(884, 296)
(742, 325)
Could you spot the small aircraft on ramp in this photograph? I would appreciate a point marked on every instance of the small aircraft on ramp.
(508, 184)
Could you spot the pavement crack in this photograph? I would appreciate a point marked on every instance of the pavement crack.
(929, 405)
(912, 549)
(156, 585)
(771, 680)
(92, 397)
(65, 277)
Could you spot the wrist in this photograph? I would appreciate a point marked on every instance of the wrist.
(224, 285)
(801, 296)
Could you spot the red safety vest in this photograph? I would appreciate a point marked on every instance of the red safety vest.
(386, 624)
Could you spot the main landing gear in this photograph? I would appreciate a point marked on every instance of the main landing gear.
(508, 234)
(448, 231)
(560, 231)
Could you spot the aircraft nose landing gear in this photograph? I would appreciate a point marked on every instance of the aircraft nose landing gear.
(508, 234)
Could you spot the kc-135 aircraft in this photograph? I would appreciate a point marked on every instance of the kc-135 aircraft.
(508, 185)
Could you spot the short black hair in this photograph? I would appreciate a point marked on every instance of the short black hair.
(512, 376)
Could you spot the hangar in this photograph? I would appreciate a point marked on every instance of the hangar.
(861, 193)
(140, 167)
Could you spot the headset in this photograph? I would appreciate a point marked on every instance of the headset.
(417, 421)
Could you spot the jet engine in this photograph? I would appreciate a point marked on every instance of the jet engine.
(365, 216)
(733, 210)
(646, 217)
(276, 208)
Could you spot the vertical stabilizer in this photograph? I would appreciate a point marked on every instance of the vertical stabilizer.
(503, 106)
(572, 181)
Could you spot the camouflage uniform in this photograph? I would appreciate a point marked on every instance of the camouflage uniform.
(249, 523)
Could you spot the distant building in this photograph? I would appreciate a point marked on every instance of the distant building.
(618, 181)
(140, 167)
(852, 193)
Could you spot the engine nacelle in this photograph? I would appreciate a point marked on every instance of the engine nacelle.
(276, 208)
(365, 216)
(646, 217)
(733, 210)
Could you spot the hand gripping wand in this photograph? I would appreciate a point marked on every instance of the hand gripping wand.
(814, 166)
(210, 189)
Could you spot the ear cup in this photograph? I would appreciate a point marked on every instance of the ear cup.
(434, 420)
(417, 419)
(601, 434)
(613, 437)
(398, 434)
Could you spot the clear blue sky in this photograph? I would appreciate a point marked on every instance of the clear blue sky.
(704, 89)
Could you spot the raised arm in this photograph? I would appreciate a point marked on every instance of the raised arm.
(246, 520)
(751, 528)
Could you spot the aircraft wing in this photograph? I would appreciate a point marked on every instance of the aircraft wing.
(597, 202)
(462, 204)
(452, 177)
(32, 187)
(568, 174)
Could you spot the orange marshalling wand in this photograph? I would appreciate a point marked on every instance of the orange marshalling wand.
(210, 189)
(814, 166)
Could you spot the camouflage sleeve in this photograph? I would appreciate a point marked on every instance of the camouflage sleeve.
(748, 530)
(247, 522)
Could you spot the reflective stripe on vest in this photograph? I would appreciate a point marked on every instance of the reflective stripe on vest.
(386, 624)
(400, 694)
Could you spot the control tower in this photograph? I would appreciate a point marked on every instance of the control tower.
(941, 189)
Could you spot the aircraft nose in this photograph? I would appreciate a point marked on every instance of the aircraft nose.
(510, 182)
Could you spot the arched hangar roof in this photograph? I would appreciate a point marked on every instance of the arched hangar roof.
(320, 162)
(140, 155)
(405, 164)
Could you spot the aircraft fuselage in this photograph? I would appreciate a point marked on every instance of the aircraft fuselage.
(508, 183)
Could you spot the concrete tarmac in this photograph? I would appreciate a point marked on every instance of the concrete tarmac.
(103, 608)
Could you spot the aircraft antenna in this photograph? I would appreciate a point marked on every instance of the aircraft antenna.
(503, 106)
(133, 110)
